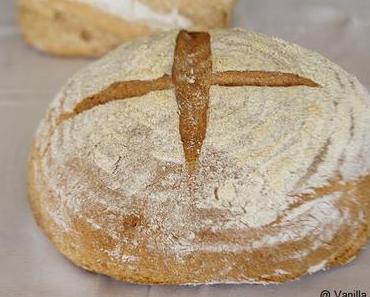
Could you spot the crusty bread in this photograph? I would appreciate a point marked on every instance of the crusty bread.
(221, 157)
(93, 27)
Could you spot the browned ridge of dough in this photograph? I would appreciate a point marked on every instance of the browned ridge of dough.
(192, 78)
(191, 73)
(260, 79)
(123, 90)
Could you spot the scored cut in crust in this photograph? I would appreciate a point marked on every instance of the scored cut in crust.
(228, 157)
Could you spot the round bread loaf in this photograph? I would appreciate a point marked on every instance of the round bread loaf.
(93, 27)
(195, 157)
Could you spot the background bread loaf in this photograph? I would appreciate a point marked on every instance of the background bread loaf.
(93, 27)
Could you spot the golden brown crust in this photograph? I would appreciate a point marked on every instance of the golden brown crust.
(120, 91)
(191, 72)
(162, 269)
(129, 89)
(260, 79)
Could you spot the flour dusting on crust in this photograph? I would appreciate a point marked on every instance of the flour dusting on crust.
(137, 11)
(266, 152)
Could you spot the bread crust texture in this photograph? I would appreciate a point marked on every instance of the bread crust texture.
(201, 158)
(91, 28)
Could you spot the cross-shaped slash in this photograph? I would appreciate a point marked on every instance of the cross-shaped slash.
(191, 78)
